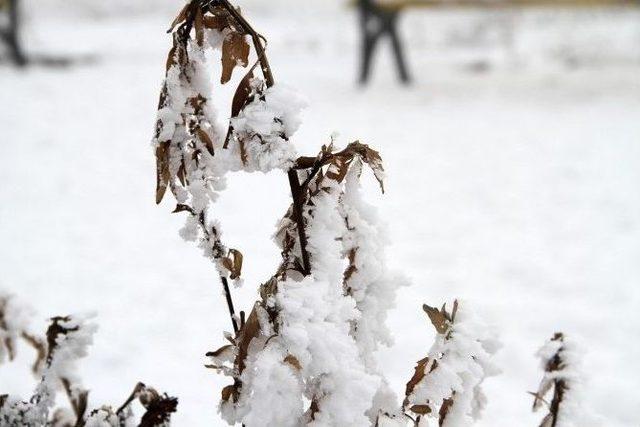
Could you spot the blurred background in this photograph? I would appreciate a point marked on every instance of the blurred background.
(513, 161)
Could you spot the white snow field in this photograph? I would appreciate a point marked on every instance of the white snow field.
(513, 182)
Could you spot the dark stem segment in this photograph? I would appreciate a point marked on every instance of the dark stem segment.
(558, 396)
(232, 311)
(296, 194)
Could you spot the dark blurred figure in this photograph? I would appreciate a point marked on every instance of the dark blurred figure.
(10, 35)
(377, 21)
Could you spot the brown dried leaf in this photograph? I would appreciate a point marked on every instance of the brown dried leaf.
(236, 267)
(421, 409)
(438, 318)
(418, 375)
(227, 263)
(228, 392)
(162, 170)
(293, 361)
(243, 92)
(235, 52)
(183, 208)
(220, 351)
(338, 168)
(181, 174)
(250, 330)
(372, 158)
(198, 24)
(177, 54)
(182, 16)
(206, 140)
(218, 21)
(171, 58)
(444, 409)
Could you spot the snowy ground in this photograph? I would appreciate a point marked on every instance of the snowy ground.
(515, 188)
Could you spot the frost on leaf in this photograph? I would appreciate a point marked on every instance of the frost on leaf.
(235, 52)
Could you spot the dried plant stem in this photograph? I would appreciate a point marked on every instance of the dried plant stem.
(232, 311)
(297, 195)
(558, 396)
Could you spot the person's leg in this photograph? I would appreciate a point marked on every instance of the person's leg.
(13, 38)
(397, 47)
(370, 34)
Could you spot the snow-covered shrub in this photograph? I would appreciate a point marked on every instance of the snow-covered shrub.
(305, 354)
(561, 360)
(447, 384)
(66, 342)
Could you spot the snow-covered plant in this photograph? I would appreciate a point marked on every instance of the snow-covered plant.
(15, 320)
(305, 354)
(66, 341)
(561, 360)
(447, 384)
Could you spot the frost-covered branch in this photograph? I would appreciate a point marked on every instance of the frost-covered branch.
(306, 353)
(561, 360)
(447, 384)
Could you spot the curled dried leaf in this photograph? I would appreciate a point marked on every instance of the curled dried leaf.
(183, 208)
(370, 157)
(418, 375)
(182, 174)
(180, 18)
(228, 392)
(235, 52)
(162, 170)
(293, 361)
(206, 140)
(218, 20)
(421, 409)
(225, 349)
(438, 318)
(233, 263)
(249, 331)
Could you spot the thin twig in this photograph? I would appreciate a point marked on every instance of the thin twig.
(232, 311)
